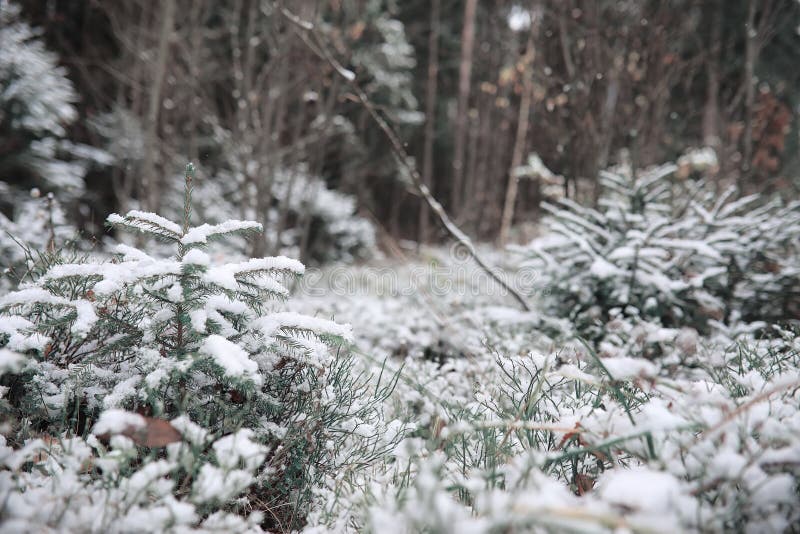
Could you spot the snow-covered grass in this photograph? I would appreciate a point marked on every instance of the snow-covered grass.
(517, 430)
(503, 426)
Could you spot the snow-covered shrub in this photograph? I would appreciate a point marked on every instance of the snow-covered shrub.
(171, 393)
(336, 232)
(36, 103)
(303, 214)
(122, 135)
(671, 251)
(36, 160)
(40, 224)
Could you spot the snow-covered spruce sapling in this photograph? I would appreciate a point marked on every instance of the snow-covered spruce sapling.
(647, 253)
(36, 104)
(128, 345)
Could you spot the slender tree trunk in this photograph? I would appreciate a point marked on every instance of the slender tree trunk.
(606, 133)
(292, 169)
(430, 116)
(711, 110)
(563, 38)
(245, 114)
(317, 158)
(751, 36)
(520, 140)
(471, 168)
(196, 38)
(259, 248)
(137, 85)
(495, 192)
(607, 126)
(485, 147)
(398, 191)
(150, 178)
(268, 153)
(464, 78)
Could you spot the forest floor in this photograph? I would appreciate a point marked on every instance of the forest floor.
(431, 303)
(450, 409)
(500, 389)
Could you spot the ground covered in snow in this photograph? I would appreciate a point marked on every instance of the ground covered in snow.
(179, 388)
(518, 423)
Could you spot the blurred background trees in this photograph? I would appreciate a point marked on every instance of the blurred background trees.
(501, 103)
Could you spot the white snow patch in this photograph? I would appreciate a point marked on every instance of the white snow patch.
(233, 359)
(640, 488)
(196, 257)
(271, 324)
(117, 421)
(84, 321)
(11, 361)
(137, 218)
(201, 234)
(214, 483)
(623, 367)
(239, 448)
(603, 269)
(131, 253)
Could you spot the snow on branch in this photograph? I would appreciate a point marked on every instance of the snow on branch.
(114, 275)
(11, 361)
(271, 325)
(230, 276)
(202, 234)
(143, 221)
(85, 316)
(234, 360)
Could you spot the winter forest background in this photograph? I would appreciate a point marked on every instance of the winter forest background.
(399, 266)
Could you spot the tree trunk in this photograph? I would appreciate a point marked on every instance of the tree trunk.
(430, 116)
(317, 160)
(397, 192)
(292, 169)
(268, 158)
(471, 168)
(485, 151)
(464, 77)
(711, 110)
(521, 138)
(150, 179)
(749, 99)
